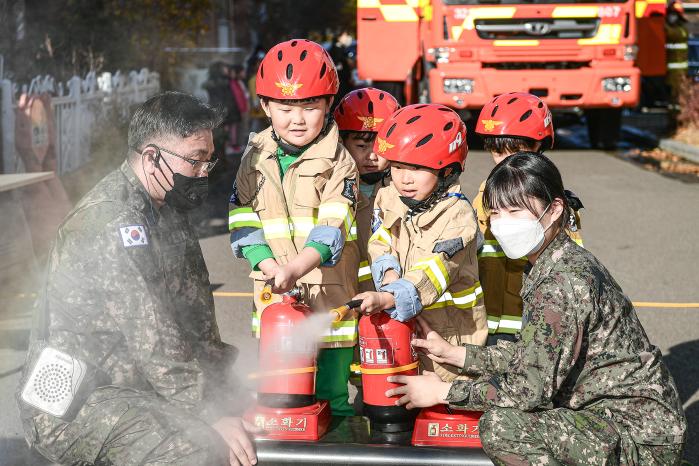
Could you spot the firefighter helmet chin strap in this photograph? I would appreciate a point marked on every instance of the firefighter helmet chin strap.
(292, 149)
(416, 207)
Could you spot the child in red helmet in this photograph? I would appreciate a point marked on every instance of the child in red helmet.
(511, 123)
(293, 206)
(359, 116)
(423, 249)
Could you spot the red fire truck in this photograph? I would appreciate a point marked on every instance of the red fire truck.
(574, 54)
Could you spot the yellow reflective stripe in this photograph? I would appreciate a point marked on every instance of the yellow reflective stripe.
(516, 43)
(606, 34)
(243, 217)
(381, 234)
(276, 228)
(333, 210)
(389, 370)
(574, 12)
(302, 226)
(640, 8)
(436, 272)
(341, 211)
(364, 272)
(465, 299)
(579, 242)
(683, 65)
(491, 248)
(486, 13)
(344, 330)
(398, 13)
(509, 322)
(255, 324)
(493, 323)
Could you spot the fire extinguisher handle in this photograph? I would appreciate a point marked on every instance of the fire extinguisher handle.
(354, 304)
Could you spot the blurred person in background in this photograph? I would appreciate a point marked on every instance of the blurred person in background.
(237, 131)
(221, 96)
(257, 117)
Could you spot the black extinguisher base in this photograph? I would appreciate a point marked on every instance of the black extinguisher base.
(390, 418)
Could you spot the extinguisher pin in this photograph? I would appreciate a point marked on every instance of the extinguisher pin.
(266, 294)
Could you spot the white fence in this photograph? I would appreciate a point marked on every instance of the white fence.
(79, 107)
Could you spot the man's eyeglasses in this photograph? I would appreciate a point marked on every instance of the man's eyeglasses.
(206, 165)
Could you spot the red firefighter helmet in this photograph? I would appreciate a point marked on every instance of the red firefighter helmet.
(296, 69)
(365, 110)
(517, 114)
(424, 135)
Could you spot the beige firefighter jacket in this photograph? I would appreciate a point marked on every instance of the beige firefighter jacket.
(365, 213)
(436, 252)
(318, 190)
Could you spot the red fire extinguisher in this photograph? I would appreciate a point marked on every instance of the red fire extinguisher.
(287, 361)
(386, 350)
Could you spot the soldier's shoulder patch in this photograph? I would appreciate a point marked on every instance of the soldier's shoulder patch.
(449, 247)
(350, 190)
(133, 235)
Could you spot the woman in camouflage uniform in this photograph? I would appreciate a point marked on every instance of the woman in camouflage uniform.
(581, 384)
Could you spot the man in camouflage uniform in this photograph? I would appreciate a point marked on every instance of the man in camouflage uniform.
(581, 385)
(128, 293)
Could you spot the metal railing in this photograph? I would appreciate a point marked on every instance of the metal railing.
(79, 106)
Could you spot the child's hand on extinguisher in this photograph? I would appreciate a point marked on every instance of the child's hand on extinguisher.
(373, 302)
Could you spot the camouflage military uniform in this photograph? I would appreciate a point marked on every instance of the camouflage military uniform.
(128, 292)
(581, 384)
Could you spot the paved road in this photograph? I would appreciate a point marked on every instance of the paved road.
(642, 225)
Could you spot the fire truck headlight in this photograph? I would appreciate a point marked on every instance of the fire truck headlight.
(458, 86)
(617, 84)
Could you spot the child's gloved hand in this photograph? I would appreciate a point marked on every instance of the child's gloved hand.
(373, 302)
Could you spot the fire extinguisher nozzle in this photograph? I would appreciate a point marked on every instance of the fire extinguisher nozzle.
(341, 312)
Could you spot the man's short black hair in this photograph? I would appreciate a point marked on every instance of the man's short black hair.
(366, 136)
(170, 113)
(509, 145)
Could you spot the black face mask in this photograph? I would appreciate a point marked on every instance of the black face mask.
(186, 192)
(373, 177)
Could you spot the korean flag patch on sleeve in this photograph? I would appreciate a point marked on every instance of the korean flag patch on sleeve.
(133, 235)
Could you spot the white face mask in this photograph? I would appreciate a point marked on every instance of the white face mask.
(519, 237)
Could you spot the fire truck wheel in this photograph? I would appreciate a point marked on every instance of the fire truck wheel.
(603, 127)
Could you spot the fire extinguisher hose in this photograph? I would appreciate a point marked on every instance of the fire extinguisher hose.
(390, 370)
